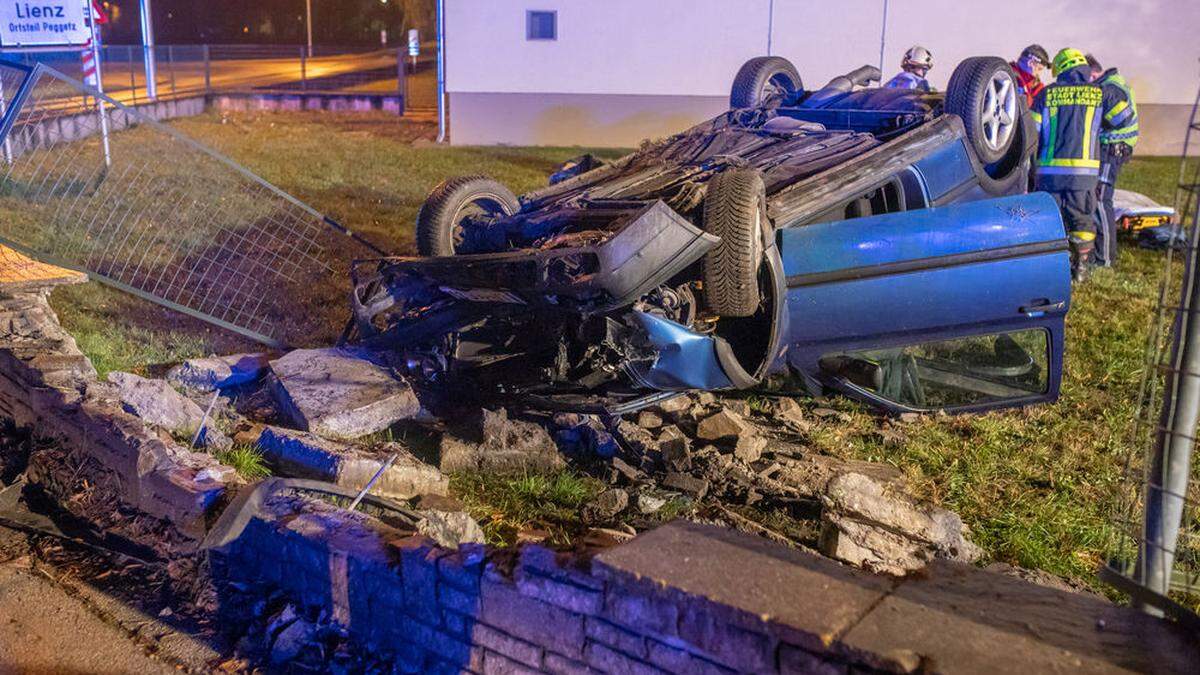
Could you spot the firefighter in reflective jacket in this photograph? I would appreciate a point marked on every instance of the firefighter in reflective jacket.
(1069, 113)
(1118, 136)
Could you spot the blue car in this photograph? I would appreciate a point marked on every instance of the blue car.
(876, 242)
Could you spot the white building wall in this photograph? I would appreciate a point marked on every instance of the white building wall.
(624, 70)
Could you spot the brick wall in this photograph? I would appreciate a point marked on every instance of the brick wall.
(437, 610)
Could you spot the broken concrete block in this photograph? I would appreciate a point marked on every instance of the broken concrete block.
(157, 403)
(865, 526)
(218, 372)
(749, 448)
(338, 393)
(686, 483)
(723, 425)
(648, 419)
(606, 506)
(492, 442)
(450, 528)
(305, 455)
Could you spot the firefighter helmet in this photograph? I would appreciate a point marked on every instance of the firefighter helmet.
(1067, 59)
(917, 57)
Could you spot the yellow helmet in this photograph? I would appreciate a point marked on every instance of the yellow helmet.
(1067, 59)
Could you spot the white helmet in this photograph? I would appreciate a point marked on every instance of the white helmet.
(917, 57)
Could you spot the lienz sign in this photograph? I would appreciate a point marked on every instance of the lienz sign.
(26, 23)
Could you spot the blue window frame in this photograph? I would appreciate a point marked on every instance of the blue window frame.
(541, 25)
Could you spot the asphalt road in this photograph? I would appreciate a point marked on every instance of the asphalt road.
(45, 630)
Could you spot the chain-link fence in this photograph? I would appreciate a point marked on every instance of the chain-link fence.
(90, 184)
(1154, 553)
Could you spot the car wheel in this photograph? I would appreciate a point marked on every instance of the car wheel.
(764, 81)
(983, 93)
(735, 208)
(452, 204)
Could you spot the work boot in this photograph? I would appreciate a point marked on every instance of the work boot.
(1082, 248)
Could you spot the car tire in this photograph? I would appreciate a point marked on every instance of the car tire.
(735, 207)
(764, 80)
(983, 93)
(440, 220)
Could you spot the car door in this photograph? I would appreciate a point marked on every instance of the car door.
(959, 307)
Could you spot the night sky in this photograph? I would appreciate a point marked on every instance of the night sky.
(335, 22)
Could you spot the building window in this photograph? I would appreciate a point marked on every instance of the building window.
(541, 25)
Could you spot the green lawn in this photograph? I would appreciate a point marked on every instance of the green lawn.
(1036, 486)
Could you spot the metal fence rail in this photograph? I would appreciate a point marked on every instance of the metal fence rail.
(151, 211)
(192, 70)
(1154, 551)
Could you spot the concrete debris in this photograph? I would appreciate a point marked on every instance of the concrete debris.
(749, 448)
(340, 393)
(864, 525)
(725, 425)
(673, 406)
(218, 372)
(492, 442)
(648, 419)
(606, 506)
(675, 480)
(789, 412)
(450, 528)
(648, 504)
(157, 403)
(305, 455)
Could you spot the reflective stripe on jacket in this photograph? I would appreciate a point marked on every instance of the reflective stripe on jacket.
(1069, 114)
(1121, 118)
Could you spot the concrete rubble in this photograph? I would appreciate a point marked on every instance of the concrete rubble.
(490, 441)
(866, 526)
(157, 403)
(340, 393)
(305, 455)
(218, 372)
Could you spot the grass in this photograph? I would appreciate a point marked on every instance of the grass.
(1036, 486)
(246, 460)
(508, 505)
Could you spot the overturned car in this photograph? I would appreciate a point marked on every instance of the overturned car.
(878, 242)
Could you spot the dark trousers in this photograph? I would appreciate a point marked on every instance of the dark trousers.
(1078, 209)
(1113, 157)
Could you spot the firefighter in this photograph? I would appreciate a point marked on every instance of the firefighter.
(915, 65)
(1069, 113)
(1118, 136)
(1029, 67)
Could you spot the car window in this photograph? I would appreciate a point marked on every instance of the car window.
(887, 198)
(947, 374)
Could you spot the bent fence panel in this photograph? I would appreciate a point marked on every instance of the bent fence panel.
(90, 184)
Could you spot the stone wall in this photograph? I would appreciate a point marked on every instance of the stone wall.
(105, 465)
(437, 610)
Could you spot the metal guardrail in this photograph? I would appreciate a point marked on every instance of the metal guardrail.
(91, 184)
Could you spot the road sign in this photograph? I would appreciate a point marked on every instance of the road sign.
(30, 23)
(414, 42)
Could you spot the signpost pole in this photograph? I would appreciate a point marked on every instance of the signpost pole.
(148, 51)
(98, 83)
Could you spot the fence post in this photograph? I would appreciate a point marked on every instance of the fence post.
(171, 63)
(401, 81)
(303, 69)
(207, 71)
(1168, 475)
(132, 79)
